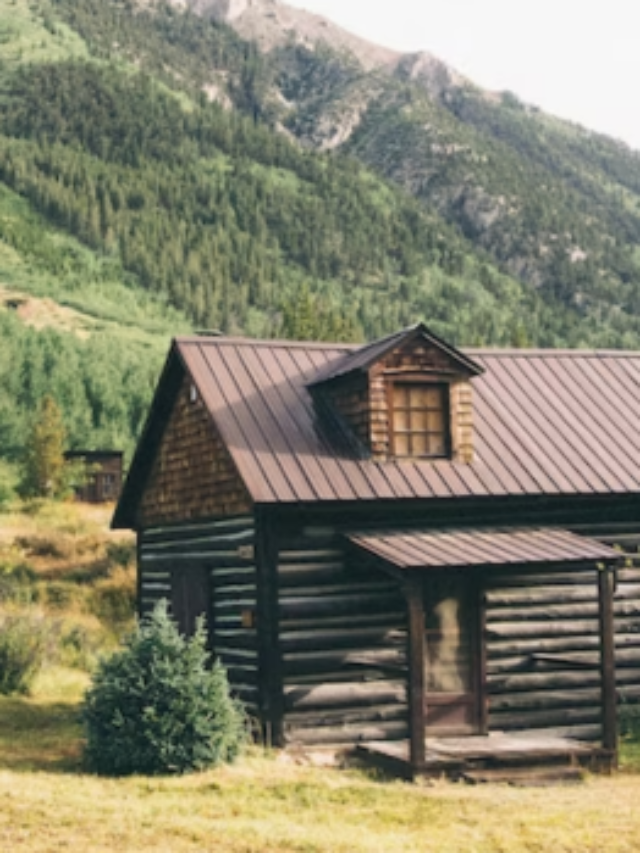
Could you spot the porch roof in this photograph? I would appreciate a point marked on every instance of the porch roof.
(467, 548)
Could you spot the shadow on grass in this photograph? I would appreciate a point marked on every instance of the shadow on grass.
(40, 736)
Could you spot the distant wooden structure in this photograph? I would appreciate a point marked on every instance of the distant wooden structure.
(104, 474)
(402, 548)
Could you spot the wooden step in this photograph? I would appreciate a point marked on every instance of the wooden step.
(525, 776)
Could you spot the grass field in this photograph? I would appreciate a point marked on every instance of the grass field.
(266, 802)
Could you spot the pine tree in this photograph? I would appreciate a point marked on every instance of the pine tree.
(157, 706)
(44, 464)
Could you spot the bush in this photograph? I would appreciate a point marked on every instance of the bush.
(8, 483)
(25, 639)
(156, 707)
(81, 643)
(113, 599)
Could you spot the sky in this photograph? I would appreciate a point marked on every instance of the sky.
(577, 59)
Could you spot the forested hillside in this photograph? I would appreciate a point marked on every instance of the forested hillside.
(147, 181)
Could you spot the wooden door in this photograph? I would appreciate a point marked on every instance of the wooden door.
(452, 655)
(190, 597)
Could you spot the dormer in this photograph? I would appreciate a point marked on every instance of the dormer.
(405, 397)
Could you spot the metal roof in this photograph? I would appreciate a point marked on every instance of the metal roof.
(545, 423)
(468, 548)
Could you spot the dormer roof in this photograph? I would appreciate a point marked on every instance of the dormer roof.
(362, 359)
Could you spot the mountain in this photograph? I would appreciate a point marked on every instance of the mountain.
(554, 204)
(251, 168)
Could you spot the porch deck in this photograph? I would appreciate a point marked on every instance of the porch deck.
(522, 757)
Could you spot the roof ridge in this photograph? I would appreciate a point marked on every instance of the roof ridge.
(217, 340)
(341, 346)
(549, 352)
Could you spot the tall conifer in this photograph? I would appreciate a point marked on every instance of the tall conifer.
(44, 463)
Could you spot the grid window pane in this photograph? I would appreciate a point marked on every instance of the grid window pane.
(437, 446)
(401, 397)
(420, 418)
(420, 444)
(432, 397)
(401, 420)
(402, 445)
(435, 421)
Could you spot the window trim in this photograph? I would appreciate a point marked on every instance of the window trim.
(420, 382)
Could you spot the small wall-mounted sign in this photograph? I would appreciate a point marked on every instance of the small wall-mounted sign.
(245, 552)
(248, 618)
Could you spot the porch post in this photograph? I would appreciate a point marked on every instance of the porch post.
(415, 652)
(607, 660)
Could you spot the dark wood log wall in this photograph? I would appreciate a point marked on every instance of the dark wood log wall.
(226, 549)
(543, 657)
(342, 636)
(343, 641)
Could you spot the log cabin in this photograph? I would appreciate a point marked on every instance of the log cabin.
(101, 472)
(418, 553)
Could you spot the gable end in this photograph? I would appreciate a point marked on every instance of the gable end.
(193, 475)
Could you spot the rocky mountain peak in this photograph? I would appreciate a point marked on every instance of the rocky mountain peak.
(271, 23)
(227, 10)
(435, 75)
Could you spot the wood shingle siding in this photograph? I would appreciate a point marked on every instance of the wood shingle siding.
(193, 475)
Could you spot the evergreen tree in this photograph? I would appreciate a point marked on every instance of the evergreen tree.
(158, 707)
(43, 473)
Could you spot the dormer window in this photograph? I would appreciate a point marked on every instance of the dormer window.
(419, 420)
(407, 397)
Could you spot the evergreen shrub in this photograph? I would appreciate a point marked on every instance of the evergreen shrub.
(157, 707)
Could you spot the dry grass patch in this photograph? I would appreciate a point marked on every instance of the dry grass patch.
(60, 560)
(56, 539)
(262, 806)
(266, 805)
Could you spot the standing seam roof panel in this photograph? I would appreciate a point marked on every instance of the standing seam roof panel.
(562, 422)
(521, 547)
(258, 441)
(533, 419)
(495, 432)
(504, 422)
(342, 487)
(257, 477)
(596, 376)
(594, 429)
(629, 369)
(530, 434)
(267, 366)
(276, 438)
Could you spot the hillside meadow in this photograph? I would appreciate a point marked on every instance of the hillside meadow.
(61, 560)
